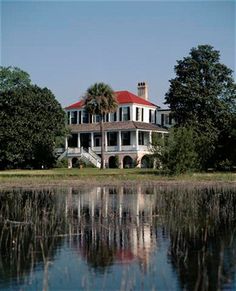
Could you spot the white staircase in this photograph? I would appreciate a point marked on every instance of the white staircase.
(64, 154)
(86, 155)
(91, 157)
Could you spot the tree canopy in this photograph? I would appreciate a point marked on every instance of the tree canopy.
(100, 99)
(30, 121)
(12, 78)
(203, 96)
(203, 89)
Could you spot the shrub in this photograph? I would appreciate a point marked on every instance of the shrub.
(177, 154)
(62, 163)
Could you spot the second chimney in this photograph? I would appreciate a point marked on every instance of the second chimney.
(143, 90)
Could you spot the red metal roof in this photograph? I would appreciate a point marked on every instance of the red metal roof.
(76, 105)
(123, 97)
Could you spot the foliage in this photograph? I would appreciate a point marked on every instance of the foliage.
(117, 161)
(12, 78)
(177, 154)
(63, 163)
(30, 120)
(100, 99)
(203, 96)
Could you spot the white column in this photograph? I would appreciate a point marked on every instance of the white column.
(66, 143)
(78, 142)
(92, 140)
(150, 137)
(105, 133)
(119, 141)
(136, 139)
(82, 113)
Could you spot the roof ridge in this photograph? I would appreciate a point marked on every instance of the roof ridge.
(124, 97)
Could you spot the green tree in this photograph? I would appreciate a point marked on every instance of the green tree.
(100, 100)
(203, 96)
(30, 121)
(12, 78)
(177, 152)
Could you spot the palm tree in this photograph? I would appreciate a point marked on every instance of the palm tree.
(100, 99)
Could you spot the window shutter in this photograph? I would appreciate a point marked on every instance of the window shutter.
(137, 114)
(114, 116)
(128, 113)
(107, 117)
(142, 114)
(80, 117)
(150, 115)
(120, 114)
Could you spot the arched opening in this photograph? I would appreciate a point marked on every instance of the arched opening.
(146, 162)
(127, 162)
(113, 162)
(75, 163)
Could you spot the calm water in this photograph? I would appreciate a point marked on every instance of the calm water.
(141, 238)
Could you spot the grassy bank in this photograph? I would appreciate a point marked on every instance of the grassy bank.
(87, 176)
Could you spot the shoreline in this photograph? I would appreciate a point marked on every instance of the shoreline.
(110, 177)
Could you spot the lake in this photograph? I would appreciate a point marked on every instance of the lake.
(118, 238)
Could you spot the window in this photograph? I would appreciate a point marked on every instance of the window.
(151, 116)
(125, 138)
(113, 117)
(96, 118)
(143, 138)
(124, 113)
(112, 138)
(85, 117)
(74, 117)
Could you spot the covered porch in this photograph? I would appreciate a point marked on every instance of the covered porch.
(115, 141)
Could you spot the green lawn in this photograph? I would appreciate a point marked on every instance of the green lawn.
(93, 176)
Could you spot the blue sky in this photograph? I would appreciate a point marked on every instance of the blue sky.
(68, 45)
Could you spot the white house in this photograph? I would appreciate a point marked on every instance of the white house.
(128, 131)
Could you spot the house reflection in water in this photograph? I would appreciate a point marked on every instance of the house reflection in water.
(114, 225)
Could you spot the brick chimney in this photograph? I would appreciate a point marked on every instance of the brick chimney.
(143, 90)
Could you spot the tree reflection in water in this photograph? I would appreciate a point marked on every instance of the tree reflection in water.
(121, 225)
